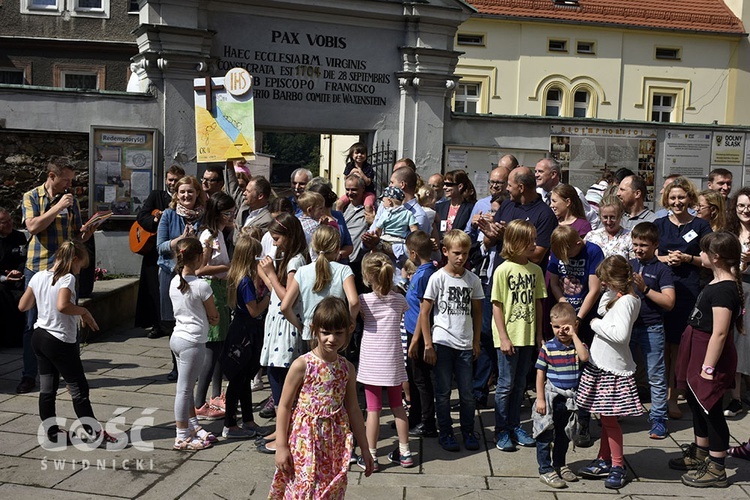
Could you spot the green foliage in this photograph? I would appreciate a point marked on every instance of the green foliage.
(302, 149)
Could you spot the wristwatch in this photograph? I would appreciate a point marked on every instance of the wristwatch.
(708, 369)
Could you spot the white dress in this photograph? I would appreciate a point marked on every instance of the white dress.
(282, 343)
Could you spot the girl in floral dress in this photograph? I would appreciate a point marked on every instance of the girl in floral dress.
(318, 403)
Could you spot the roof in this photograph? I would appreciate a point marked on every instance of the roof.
(709, 16)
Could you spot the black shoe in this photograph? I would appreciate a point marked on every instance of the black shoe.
(156, 333)
(27, 384)
(584, 438)
(172, 376)
(421, 430)
(265, 449)
(268, 411)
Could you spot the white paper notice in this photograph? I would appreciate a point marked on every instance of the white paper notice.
(687, 153)
(138, 158)
(140, 184)
(110, 193)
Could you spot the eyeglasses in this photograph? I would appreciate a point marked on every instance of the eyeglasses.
(229, 214)
(204, 180)
(450, 184)
(742, 208)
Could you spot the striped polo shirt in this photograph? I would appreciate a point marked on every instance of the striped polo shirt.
(44, 244)
(560, 362)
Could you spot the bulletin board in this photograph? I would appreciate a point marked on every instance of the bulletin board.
(122, 169)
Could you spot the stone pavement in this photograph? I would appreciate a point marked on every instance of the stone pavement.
(127, 372)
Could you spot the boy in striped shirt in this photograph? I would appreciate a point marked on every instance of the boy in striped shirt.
(558, 370)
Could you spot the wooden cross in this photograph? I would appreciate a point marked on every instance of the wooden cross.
(208, 87)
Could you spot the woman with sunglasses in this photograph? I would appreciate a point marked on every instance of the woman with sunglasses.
(455, 211)
(178, 222)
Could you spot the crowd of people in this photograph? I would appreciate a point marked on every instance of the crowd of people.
(605, 304)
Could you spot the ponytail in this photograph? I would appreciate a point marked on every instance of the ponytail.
(187, 251)
(64, 257)
(377, 272)
(326, 240)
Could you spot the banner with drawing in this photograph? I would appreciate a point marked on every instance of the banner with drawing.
(121, 170)
(224, 117)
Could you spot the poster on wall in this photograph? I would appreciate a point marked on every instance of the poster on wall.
(121, 169)
(728, 148)
(224, 117)
(587, 152)
(687, 152)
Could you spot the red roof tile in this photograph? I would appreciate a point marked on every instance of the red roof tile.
(711, 16)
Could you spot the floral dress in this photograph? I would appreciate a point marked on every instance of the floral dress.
(320, 439)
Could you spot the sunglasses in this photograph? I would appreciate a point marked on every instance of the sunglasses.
(450, 184)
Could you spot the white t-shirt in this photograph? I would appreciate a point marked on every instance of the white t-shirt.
(268, 247)
(451, 308)
(191, 320)
(61, 326)
(219, 252)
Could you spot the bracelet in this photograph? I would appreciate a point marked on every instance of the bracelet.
(692, 258)
(648, 289)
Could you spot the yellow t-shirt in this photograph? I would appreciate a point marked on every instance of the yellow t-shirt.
(517, 287)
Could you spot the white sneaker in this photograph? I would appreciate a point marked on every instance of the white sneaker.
(256, 385)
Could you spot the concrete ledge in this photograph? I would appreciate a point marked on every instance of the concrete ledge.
(112, 303)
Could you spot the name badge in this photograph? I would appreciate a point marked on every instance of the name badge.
(443, 226)
(690, 236)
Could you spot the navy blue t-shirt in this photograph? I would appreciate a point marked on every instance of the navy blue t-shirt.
(658, 276)
(574, 276)
(415, 294)
(367, 170)
(538, 213)
(245, 293)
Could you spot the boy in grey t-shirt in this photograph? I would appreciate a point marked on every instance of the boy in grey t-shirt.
(454, 298)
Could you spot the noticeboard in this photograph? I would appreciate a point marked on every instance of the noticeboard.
(122, 169)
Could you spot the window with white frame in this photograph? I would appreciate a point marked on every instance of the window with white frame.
(662, 106)
(467, 98)
(79, 80)
(553, 102)
(581, 101)
(79, 76)
(75, 8)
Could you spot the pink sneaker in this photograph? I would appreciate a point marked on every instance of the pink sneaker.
(219, 403)
(206, 412)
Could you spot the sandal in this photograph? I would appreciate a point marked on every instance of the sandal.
(194, 444)
(740, 451)
(202, 434)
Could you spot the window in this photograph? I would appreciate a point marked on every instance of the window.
(79, 76)
(467, 98)
(581, 104)
(74, 8)
(12, 76)
(667, 53)
(662, 106)
(470, 39)
(133, 7)
(588, 48)
(553, 102)
(557, 45)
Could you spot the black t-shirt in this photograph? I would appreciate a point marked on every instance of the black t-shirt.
(721, 294)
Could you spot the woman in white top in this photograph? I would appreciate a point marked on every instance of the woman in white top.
(54, 342)
(612, 238)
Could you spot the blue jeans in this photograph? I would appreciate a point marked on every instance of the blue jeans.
(487, 355)
(560, 416)
(650, 339)
(452, 362)
(30, 364)
(511, 384)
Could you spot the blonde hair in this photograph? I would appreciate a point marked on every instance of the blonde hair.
(243, 264)
(377, 272)
(563, 311)
(326, 241)
(519, 234)
(612, 201)
(187, 251)
(310, 199)
(68, 252)
(425, 196)
(716, 201)
(456, 237)
(684, 184)
(617, 273)
(200, 200)
(562, 241)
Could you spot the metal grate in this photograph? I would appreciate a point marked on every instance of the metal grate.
(382, 160)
